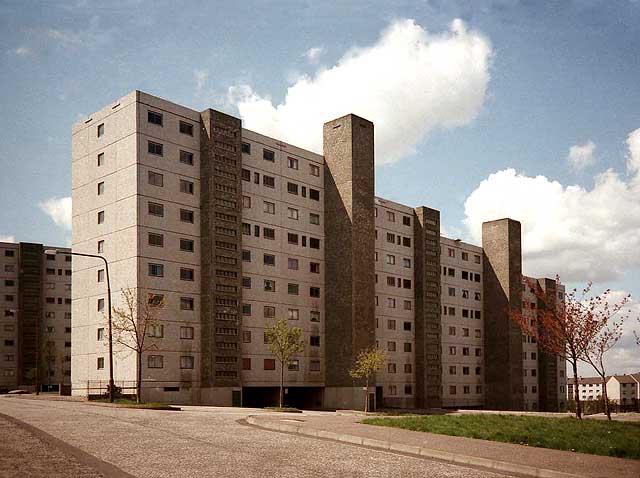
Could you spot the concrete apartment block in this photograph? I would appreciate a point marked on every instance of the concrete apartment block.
(35, 316)
(350, 232)
(502, 286)
(463, 322)
(236, 230)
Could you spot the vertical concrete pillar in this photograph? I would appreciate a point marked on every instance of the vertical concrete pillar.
(221, 236)
(427, 308)
(349, 253)
(502, 268)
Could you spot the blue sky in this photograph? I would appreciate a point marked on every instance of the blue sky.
(554, 75)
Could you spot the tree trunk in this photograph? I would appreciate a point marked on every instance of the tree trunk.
(281, 384)
(576, 390)
(139, 384)
(607, 409)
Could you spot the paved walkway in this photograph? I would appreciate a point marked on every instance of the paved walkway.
(501, 457)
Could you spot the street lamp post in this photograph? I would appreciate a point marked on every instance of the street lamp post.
(106, 265)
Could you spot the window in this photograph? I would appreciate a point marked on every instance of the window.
(269, 207)
(269, 233)
(292, 264)
(100, 363)
(314, 218)
(292, 288)
(391, 346)
(156, 179)
(269, 259)
(156, 270)
(186, 245)
(391, 238)
(391, 259)
(406, 220)
(246, 282)
(314, 267)
(292, 213)
(407, 326)
(246, 175)
(156, 239)
(101, 188)
(391, 368)
(391, 324)
(406, 283)
(452, 331)
(155, 361)
(292, 163)
(465, 294)
(156, 330)
(156, 209)
(453, 370)
(268, 155)
(314, 194)
(314, 292)
(476, 259)
(246, 309)
(186, 157)
(314, 341)
(269, 285)
(476, 277)
(452, 292)
(100, 247)
(100, 217)
(186, 274)
(314, 170)
(465, 256)
(186, 333)
(292, 238)
(186, 215)
(269, 364)
(256, 178)
(186, 128)
(186, 186)
(100, 275)
(155, 148)
(155, 300)
(269, 181)
(269, 311)
(100, 130)
(314, 243)
(246, 148)
(100, 334)
(407, 346)
(100, 159)
(293, 314)
(186, 361)
(292, 188)
(154, 118)
(391, 217)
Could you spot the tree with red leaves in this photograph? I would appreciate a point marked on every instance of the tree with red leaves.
(605, 334)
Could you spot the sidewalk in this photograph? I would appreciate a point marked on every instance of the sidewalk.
(502, 457)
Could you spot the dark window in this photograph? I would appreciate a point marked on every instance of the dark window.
(269, 233)
(155, 148)
(269, 260)
(406, 220)
(156, 270)
(314, 194)
(246, 148)
(9, 253)
(186, 128)
(268, 155)
(186, 186)
(292, 188)
(269, 364)
(156, 239)
(100, 130)
(154, 118)
(186, 274)
(246, 175)
(314, 292)
(186, 245)
(314, 267)
(406, 241)
(186, 215)
(186, 157)
(269, 181)
(407, 326)
(186, 303)
(156, 209)
(314, 243)
(314, 341)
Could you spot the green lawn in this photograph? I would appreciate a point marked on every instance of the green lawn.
(126, 403)
(598, 437)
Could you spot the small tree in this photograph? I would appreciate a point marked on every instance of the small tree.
(560, 326)
(605, 334)
(369, 361)
(284, 342)
(133, 323)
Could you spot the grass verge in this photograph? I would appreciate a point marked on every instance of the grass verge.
(124, 403)
(283, 409)
(597, 437)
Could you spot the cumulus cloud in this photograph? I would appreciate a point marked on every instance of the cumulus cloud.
(408, 83)
(581, 234)
(7, 238)
(582, 156)
(313, 54)
(59, 210)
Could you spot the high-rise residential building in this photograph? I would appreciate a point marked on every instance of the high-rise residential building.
(235, 229)
(35, 317)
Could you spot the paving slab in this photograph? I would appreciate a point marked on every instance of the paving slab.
(502, 457)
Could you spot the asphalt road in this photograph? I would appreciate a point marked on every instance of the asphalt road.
(198, 441)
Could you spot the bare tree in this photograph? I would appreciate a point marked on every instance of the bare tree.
(284, 342)
(560, 326)
(605, 334)
(134, 322)
(369, 361)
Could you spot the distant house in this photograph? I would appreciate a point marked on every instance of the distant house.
(623, 389)
(590, 388)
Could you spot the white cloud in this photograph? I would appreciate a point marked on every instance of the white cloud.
(313, 54)
(581, 156)
(201, 77)
(578, 233)
(59, 210)
(21, 51)
(7, 238)
(408, 83)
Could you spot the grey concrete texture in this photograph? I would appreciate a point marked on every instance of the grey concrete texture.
(501, 457)
(210, 441)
